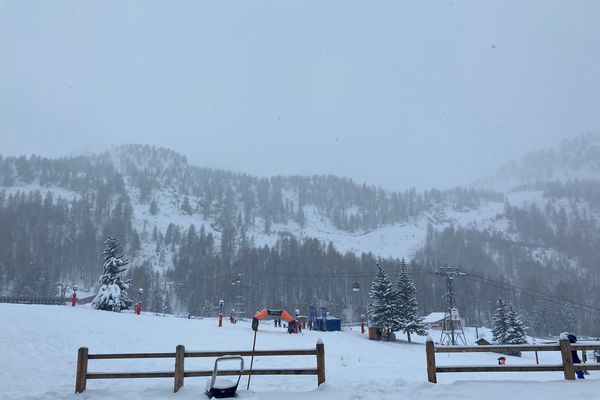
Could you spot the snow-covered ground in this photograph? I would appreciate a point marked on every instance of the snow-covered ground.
(38, 348)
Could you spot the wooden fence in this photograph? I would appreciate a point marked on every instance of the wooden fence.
(179, 373)
(565, 348)
(33, 300)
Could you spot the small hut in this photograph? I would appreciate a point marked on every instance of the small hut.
(435, 320)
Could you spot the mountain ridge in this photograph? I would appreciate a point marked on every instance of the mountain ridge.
(576, 158)
(174, 218)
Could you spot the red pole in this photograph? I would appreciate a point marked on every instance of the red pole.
(362, 327)
(73, 299)
(220, 320)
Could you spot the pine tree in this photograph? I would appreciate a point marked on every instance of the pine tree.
(166, 304)
(515, 333)
(507, 325)
(186, 207)
(539, 321)
(135, 243)
(567, 317)
(382, 313)
(499, 326)
(112, 295)
(407, 309)
(156, 298)
(153, 207)
(300, 217)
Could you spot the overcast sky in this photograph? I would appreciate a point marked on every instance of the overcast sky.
(392, 93)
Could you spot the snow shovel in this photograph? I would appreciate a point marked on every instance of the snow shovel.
(220, 387)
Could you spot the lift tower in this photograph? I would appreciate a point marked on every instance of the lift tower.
(452, 326)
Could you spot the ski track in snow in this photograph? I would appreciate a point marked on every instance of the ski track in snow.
(39, 350)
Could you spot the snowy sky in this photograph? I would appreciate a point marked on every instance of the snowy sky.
(392, 93)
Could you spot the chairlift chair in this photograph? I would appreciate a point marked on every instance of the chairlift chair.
(219, 387)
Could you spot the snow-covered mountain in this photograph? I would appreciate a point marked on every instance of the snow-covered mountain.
(163, 189)
(184, 225)
(574, 159)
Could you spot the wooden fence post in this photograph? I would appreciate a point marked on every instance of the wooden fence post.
(179, 367)
(567, 358)
(430, 350)
(82, 361)
(320, 362)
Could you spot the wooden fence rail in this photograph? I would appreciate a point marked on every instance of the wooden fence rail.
(565, 348)
(179, 372)
(46, 300)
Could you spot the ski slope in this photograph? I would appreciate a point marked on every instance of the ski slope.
(38, 348)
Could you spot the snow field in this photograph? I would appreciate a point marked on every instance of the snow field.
(38, 348)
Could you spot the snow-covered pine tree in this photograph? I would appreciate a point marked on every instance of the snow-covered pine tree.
(515, 333)
(186, 207)
(407, 309)
(499, 327)
(166, 305)
(112, 295)
(382, 313)
(156, 296)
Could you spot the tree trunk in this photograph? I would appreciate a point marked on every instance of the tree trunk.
(408, 336)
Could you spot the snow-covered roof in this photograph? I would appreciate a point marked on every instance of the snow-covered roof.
(434, 317)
